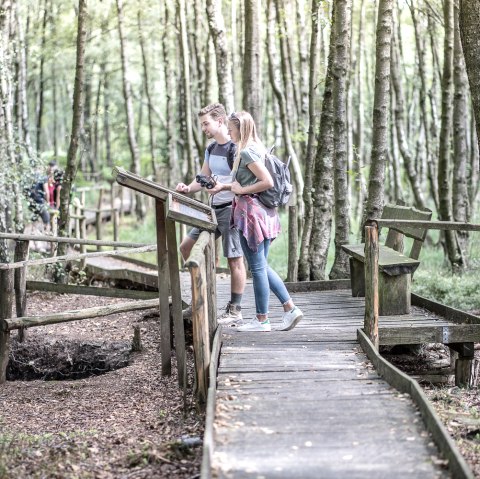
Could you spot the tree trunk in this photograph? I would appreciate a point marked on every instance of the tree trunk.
(127, 95)
(187, 100)
(146, 81)
(399, 121)
(224, 73)
(460, 199)
(469, 21)
(251, 61)
(304, 264)
(41, 78)
(444, 167)
(77, 118)
(341, 67)
(297, 172)
(323, 189)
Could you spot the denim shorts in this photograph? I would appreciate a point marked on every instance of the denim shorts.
(230, 237)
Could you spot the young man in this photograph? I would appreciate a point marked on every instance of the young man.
(213, 120)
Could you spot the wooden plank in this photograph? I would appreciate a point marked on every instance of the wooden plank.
(20, 283)
(397, 212)
(6, 308)
(163, 290)
(185, 213)
(433, 225)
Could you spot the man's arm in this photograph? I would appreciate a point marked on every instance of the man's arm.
(193, 187)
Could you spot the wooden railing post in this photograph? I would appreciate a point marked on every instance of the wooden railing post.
(116, 222)
(98, 226)
(6, 307)
(210, 266)
(292, 244)
(371, 283)
(21, 254)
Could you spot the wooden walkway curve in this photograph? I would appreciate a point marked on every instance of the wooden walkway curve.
(308, 403)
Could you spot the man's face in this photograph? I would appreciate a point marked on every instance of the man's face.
(209, 126)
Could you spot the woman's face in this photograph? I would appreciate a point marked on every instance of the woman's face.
(233, 131)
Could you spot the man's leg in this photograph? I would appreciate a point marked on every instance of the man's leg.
(186, 247)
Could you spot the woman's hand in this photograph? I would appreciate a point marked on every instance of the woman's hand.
(237, 188)
(217, 188)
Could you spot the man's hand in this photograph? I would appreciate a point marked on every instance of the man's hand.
(182, 188)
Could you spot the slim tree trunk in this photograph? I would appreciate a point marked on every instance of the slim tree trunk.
(216, 24)
(297, 172)
(444, 177)
(251, 61)
(146, 81)
(399, 121)
(323, 194)
(127, 95)
(77, 118)
(469, 21)
(341, 66)
(381, 102)
(460, 199)
(187, 100)
(304, 264)
(41, 79)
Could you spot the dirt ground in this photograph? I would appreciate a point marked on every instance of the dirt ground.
(129, 423)
(132, 422)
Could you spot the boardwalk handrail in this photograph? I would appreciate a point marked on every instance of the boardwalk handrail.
(371, 255)
(201, 264)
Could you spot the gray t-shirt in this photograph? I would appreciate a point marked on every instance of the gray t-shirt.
(218, 164)
(249, 155)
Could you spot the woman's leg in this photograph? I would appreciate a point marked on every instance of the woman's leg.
(258, 267)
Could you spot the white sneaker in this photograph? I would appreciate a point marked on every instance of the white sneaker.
(255, 325)
(231, 316)
(290, 319)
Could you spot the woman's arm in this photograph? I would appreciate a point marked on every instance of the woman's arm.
(264, 180)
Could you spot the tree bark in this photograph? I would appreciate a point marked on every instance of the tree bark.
(323, 188)
(444, 163)
(469, 21)
(41, 79)
(251, 61)
(216, 24)
(341, 66)
(127, 95)
(460, 198)
(77, 118)
(304, 265)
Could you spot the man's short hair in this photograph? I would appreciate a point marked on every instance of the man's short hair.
(215, 110)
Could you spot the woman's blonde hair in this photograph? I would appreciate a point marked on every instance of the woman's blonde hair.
(248, 134)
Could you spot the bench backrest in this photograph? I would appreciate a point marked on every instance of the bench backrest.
(394, 240)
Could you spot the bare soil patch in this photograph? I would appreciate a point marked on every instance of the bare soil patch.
(130, 422)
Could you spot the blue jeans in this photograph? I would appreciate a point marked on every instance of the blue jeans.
(264, 278)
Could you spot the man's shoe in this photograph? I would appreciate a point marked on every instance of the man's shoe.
(232, 315)
(255, 325)
(290, 319)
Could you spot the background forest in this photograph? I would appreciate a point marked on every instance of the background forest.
(370, 99)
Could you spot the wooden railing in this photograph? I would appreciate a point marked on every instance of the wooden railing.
(201, 265)
(13, 287)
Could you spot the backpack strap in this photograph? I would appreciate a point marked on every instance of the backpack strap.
(232, 149)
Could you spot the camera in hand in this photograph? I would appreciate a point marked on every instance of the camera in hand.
(206, 181)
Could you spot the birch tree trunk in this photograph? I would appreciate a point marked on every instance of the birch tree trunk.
(399, 121)
(216, 24)
(146, 81)
(444, 164)
(127, 95)
(460, 198)
(187, 98)
(469, 21)
(323, 188)
(77, 118)
(303, 263)
(251, 61)
(287, 138)
(341, 66)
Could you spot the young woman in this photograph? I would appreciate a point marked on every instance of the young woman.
(258, 225)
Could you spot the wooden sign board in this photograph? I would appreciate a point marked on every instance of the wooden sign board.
(199, 215)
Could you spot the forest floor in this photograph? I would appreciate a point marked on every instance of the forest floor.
(132, 422)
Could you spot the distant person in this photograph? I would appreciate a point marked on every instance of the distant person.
(258, 224)
(213, 120)
(54, 185)
(37, 199)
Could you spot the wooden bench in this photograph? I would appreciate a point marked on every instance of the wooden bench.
(395, 268)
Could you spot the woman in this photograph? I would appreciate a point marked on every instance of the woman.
(258, 225)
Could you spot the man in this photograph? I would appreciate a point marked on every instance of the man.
(219, 154)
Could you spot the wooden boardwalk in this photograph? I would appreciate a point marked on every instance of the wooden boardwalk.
(308, 404)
